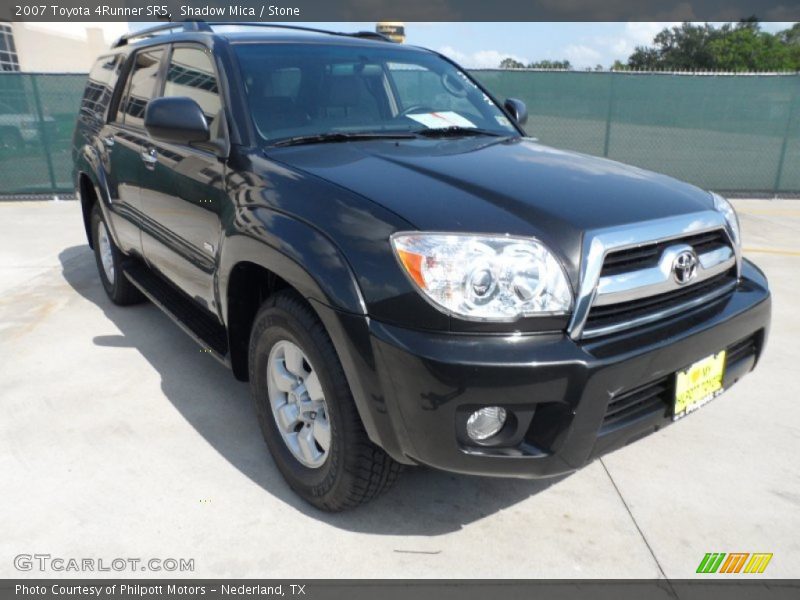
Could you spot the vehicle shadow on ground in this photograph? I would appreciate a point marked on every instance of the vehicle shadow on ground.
(218, 407)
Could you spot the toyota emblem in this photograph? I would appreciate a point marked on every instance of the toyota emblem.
(684, 268)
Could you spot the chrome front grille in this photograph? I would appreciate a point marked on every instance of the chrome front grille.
(637, 275)
(648, 255)
(659, 277)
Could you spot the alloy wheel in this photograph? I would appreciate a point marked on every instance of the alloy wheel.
(106, 254)
(298, 404)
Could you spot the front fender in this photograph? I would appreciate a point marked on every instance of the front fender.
(293, 251)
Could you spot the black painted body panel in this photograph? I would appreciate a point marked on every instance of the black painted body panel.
(319, 216)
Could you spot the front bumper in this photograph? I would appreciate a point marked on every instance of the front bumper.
(570, 400)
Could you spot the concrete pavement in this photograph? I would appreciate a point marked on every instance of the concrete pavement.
(120, 438)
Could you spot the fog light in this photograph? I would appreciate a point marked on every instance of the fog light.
(486, 422)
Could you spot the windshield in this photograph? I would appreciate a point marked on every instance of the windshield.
(314, 89)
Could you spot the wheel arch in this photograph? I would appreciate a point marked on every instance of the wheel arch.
(88, 195)
(90, 182)
(251, 268)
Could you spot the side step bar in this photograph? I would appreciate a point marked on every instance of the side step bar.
(201, 326)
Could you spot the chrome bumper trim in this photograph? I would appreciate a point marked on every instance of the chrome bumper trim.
(698, 301)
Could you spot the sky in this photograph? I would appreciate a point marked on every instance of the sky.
(476, 45)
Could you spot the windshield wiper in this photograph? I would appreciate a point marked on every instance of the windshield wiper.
(456, 130)
(341, 136)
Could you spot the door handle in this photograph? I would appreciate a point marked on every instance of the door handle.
(149, 157)
(109, 141)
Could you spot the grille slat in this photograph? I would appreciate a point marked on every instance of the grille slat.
(647, 255)
(657, 396)
(633, 400)
(647, 399)
(600, 316)
(608, 318)
(740, 350)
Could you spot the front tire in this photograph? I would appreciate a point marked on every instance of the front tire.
(109, 263)
(306, 410)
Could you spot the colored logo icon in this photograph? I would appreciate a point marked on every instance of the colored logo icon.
(734, 562)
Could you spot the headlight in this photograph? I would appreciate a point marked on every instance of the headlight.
(726, 208)
(484, 278)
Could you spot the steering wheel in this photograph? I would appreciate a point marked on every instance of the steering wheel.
(415, 108)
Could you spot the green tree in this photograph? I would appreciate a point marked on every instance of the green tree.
(746, 48)
(510, 63)
(550, 64)
(791, 37)
(731, 47)
(684, 47)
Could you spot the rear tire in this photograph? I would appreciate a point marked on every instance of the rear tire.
(351, 470)
(109, 263)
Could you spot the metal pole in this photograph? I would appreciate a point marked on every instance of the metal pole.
(44, 134)
(609, 114)
(782, 158)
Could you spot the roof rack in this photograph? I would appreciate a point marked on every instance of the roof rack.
(359, 34)
(207, 27)
(370, 35)
(144, 33)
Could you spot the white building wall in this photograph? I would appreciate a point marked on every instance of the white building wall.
(63, 47)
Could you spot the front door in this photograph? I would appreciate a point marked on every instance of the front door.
(183, 186)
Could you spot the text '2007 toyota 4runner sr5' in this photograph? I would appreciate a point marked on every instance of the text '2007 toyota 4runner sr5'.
(363, 233)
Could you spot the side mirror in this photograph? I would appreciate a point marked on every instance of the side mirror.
(177, 120)
(518, 110)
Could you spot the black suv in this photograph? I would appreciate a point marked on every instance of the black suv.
(364, 233)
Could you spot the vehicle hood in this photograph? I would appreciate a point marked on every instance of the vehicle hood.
(480, 184)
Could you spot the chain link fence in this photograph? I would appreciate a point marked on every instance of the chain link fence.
(733, 133)
(37, 118)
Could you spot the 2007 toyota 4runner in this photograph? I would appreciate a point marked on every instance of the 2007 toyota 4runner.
(361, 231)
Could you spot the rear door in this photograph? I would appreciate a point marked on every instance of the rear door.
(183, 186)
(124, 141)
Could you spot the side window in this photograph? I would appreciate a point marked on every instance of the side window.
(141, 86)
(100, 86)
(191, 74)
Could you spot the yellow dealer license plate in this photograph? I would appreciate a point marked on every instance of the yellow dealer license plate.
(698, 384)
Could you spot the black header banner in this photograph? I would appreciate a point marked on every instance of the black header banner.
(396, 589)
(400, 10)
